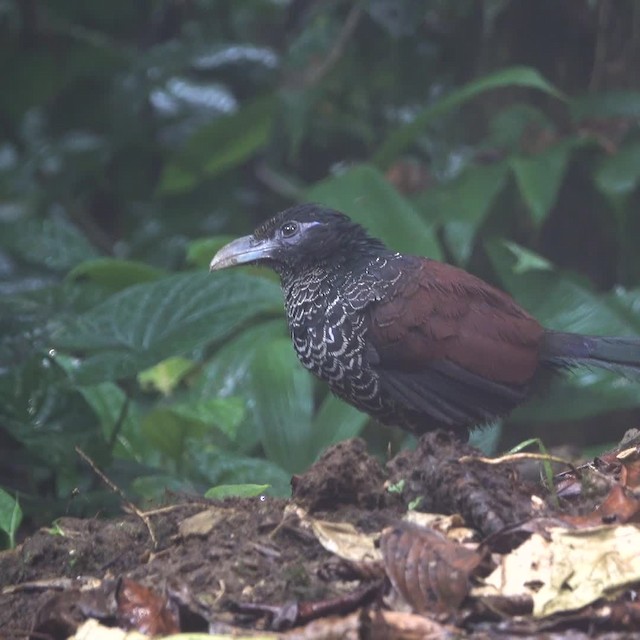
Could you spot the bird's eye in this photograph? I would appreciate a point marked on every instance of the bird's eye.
(289, 229)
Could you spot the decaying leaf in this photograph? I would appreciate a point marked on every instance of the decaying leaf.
(201, 523)
(427, 569)
(568, 569)
(93, 630)
(343, 539)
(451, 525)
(145, 610)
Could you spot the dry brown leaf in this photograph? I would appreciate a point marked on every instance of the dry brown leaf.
(202, 523)
(144, 609)
(427, 569)
(345, 541)
(568, 569)
(451, 525)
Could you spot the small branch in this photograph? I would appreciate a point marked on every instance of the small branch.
(517, 457)
(116, 489)
(319, 71)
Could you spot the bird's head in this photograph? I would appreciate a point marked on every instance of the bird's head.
(306, 235)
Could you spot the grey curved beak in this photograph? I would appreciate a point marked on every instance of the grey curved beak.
(241, 251)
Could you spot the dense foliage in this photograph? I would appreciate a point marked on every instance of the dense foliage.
(139, 136)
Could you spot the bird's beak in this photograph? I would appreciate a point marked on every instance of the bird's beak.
(241, 251)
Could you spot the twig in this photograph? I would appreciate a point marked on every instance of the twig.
(317, 72)
(515, 457)
(116, 489)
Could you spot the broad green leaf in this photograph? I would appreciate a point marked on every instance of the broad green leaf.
(619, 174)
(509, 126)
(168, 427)
(561, 301)
(216, 466)
(526, 260)
(223, 491)
(115, 411)
(459, 236)
(363, 193)
(153, 488)
(283, 396)
(48, 418)
(335, 421)
(603, 105)
(10, 516)
(167, 431)
(228, 370)
(225, 414)
(177, 179)
(539, 178)
(200, 252)
(53, 243)
(144, 324)
(221, 145)
(468, 197)
(228, 374)
(115, 274)
(402, 138)
(166, 375)
(577, 395)
(463, 204)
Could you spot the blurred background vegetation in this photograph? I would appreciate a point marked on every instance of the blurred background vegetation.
(137, 137)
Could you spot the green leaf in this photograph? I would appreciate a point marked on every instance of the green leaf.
(619, 174)
(217, 466)
(223, 491)
(402, 138)
(115, 274)
(283, 395)
(539, 178)
(601, 105)
(153, 488)
(228, 370)
(559, 300)
(166, 375)
(167, 431)
(578, 395)
(114, 411)
(225, 143)
(463, 204)
(364, 194)
(200, 252)
(53, 243)
(563, 302)
(168, 427)
(335, 421)
(225, 414)
(10, 516)
(526, 260)
(144, 324)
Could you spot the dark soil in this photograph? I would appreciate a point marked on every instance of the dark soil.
(250, 563)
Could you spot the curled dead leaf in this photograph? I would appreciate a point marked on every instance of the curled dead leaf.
(427, 569)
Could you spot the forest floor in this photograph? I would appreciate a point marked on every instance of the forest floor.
(355, 553)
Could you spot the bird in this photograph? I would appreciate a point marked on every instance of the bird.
(411, 341)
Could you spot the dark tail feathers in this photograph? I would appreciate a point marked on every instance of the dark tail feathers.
(621, 355)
